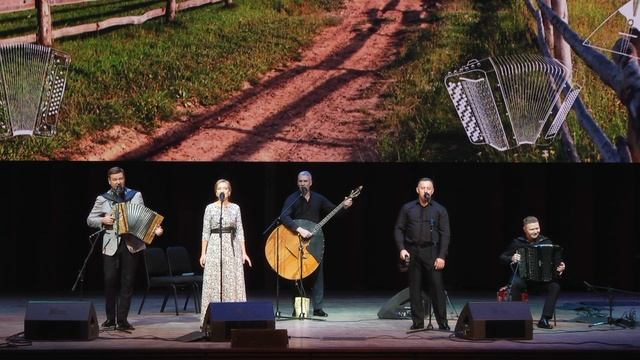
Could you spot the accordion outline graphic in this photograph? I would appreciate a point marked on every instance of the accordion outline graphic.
(505, 101)
(138, 220)
(32, 83)
(625, 22)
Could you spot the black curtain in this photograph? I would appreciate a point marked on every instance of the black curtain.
(589, 209)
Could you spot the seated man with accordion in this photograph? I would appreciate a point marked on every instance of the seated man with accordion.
(535, 262)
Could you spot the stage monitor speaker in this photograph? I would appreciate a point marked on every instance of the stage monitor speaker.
(220, 318)
(259, 338)
(60, 320)
(398, 306)
(495, 320)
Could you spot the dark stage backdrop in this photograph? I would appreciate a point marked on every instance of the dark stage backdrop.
(591, 210)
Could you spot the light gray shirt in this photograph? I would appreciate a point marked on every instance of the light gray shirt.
(111, 239)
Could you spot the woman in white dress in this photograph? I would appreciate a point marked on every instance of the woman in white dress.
(231, 287)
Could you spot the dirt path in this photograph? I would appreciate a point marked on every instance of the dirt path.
(322, 108)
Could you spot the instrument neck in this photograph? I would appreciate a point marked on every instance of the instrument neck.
(327, 218)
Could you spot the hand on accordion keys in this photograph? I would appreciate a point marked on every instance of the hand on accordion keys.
(158, 231)
(560, 268)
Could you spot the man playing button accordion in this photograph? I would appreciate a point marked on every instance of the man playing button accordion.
(119, 251)
(533, 238)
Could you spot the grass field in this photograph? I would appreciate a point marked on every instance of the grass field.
(137, 75)
(423, 125)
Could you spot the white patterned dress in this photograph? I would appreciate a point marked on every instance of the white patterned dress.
(233, 288)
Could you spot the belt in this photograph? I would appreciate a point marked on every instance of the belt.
(225, 230)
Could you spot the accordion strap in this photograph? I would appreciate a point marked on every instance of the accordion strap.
(128, 195)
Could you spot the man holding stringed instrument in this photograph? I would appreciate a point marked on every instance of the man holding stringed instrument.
(310, 206)
(422, 236)
(119, 250)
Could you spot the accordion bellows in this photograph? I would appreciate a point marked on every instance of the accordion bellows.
(138, 220)
(508, 101)
(32, 84)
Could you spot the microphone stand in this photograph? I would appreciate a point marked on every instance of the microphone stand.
(610, 292)
(80, 277)
(275, 223)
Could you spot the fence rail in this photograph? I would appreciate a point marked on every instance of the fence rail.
(46, 33)
(20, 5)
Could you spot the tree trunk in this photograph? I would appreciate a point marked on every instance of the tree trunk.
(43, 10)
(170, 13)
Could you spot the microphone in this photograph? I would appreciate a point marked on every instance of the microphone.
(427, 196)
(303, 190)
(221, 196)
(119, 191)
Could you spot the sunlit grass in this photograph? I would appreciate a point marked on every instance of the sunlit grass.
(137, 75)
(423, 125)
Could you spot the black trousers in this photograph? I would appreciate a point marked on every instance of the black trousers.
(553, 291)
(119, 272)
(423, 275)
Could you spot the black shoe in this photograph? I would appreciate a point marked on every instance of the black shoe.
(320, 312)
(417, 326)
(444, 326)
(108, 324)
(124, 325)
(544, 324)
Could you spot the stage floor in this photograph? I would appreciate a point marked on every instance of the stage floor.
(352, 330)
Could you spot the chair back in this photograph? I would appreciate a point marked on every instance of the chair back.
(179, 261)
(155, 262)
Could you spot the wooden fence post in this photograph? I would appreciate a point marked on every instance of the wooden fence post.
(228, 3)
(562, 53)
(43, 10)
(170, 11)
(562, 50)
(548, 29)
(624, 81)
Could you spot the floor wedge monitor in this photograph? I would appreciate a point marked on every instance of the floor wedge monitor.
(60, 320)
(495, 320)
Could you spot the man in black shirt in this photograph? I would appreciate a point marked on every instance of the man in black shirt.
(310, 207)
(422, 236)
(531, 228)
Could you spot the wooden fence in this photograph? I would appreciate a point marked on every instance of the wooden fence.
(622, 76)
(19, 5)
(45, 33)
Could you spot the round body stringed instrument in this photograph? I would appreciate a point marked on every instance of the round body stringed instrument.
(297, 257)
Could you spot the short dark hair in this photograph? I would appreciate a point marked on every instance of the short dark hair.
(115, 170)
(426, 179)
(529, 220)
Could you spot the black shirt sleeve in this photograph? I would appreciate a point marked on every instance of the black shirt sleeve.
(400, 228)
(445, 233)
(286, 215)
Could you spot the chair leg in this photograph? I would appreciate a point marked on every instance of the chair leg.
(186, 301)
(194, 289)
(554, 319)
(144, 297)
(175, 298)
(164, 302)
(198, 297)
